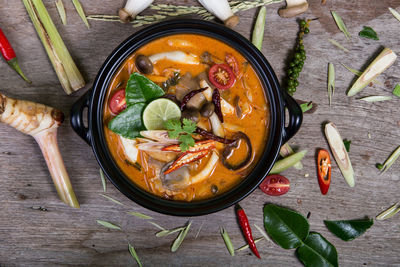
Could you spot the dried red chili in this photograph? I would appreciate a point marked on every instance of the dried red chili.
(216, 99)
(232, 62)
(9, 55)
(189, 95)
(246, 230)
(324, 170)
(212, 136)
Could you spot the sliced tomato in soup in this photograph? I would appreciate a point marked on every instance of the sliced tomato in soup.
(221, 76)
(117, 102)
(275, 185)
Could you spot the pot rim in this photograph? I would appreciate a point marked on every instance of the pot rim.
(271, 88)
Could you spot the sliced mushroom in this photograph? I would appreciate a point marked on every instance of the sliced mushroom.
(293, 8)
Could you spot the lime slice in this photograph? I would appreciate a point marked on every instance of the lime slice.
(158, 112)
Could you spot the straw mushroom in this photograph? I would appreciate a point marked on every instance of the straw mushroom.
(293, 8)
(221, 10)
(132, 8)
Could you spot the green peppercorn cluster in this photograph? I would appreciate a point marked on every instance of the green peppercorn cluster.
(297, 63)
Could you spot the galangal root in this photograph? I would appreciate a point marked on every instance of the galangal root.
(41, 122)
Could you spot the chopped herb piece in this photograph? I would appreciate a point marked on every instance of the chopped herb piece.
(134, 255)
(391, 159)
(395, 13)
(386, 214)
(183, 131)
(247, 245)
(81, 12)
(140, 215)
(228, 242)
(340, 23)
(178, 241)
(111, 199)
(335, 43)
(158, 226)
(347, 144)
(379, 166)
(396, 90)
(108, 225)
(61, 11)
(103, 180)
(166, 232)
(306, 106)
(368, 32)
(331, 82)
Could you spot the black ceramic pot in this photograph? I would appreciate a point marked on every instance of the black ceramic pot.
(93, 100)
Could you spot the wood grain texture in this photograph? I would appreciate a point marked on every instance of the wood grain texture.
(62, 236)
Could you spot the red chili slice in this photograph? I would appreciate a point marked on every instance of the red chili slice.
(275, 185)
(232, 62)
(221, 76)
(324, 170)
(117, 102)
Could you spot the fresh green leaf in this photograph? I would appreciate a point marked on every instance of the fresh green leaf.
(396, 90)
(340, 23)
(317, 252)
(189, 126)
(112, 200)
(258, 32)
(174, 128)
(140, 89)
(347, 144)
(350, 229)
(178, 241)
(103, 180)
(306, 106)
(186, 141)
(134, 254)
(395, 13)
(129, 122)
(286, 227)
(391, 211)
(140, 215)
(108, 225)
(228, 242)
(368, 32)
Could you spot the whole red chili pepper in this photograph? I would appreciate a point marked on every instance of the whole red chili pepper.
(9, 55)
(245, 226)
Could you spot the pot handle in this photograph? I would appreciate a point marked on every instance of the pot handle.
(77, 116)
(295, 117)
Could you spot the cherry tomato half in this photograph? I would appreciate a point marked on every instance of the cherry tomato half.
(275, 185)
(221, 76)
(117, 102)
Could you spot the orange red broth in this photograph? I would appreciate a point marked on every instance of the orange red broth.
(255, 124)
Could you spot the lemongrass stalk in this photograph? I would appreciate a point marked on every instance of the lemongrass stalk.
(81, 12)
(67, 72)
(61, 11)
(258, 32)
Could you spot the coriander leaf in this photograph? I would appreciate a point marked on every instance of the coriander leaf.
(189, 126)
(129, 122)
(174, 128)
(140, 89)
(317, 251)
(347, 144)
(186, 141)
(396, 90)
(350, 229)
(368, 32)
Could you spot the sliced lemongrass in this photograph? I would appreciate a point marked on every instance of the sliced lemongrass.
(287, 162)
(158, 226)
(103, 180)
(258, 32)
(228, 242)
(81, 12)
(390, 212)
(286, 150)
(383, 61)
(390, 160)
(198, 232)
(339, 153)
(61, 11)
(340, 23)
(134, 254)
(247, 245)
(395, 13)
(178, 241)
(139, 215)
(376, 98)
(335, 43)
(67, 72)
(112, 200)
(108, 225)
(354, 71)
(331, 82)
(166, 232)
(263, 233)
(396, 90)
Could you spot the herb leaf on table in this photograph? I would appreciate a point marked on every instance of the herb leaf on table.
(368, 32)
(349, 229)
(286, 227)
(317, 251)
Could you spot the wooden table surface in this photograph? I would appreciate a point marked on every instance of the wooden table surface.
(63, 236)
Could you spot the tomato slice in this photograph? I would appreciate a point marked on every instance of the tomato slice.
(275, 185)
(232, 62)
(221, 76)
(117, 102)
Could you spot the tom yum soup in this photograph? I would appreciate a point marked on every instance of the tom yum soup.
(186, 117)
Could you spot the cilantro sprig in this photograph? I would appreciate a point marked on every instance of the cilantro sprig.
(182, 131)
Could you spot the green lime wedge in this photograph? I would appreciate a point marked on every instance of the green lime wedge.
(158, 112)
